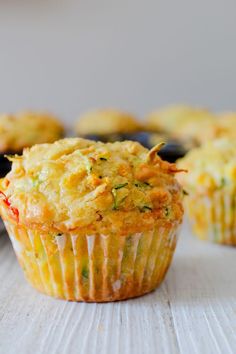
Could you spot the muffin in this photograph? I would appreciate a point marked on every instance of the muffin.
(228, 117)
(223, 125)
(210, 184)
(92, 221)
(26, 129)
(227, 125)
(23, 130)
(174, 117)
(179, 122)
(107, 125)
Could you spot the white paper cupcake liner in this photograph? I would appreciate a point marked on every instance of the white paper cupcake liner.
(94, 267)
(214, 217)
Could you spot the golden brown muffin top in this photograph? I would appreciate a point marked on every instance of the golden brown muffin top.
(106, 121)
(77, 184)
(173, 118)
(210, 167)
(26, 129)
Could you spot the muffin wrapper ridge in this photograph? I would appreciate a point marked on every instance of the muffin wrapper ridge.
(94, 268)
(213, 217)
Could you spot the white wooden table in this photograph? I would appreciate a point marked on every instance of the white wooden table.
(194, 311)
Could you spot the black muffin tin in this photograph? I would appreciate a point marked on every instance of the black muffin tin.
(5, 165)
(171, 151)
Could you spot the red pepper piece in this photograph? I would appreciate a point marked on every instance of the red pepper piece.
(14, 210)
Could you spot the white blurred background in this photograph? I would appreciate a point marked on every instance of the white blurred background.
(70, 55)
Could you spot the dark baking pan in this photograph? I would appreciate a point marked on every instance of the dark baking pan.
(172, 151)
(5, 165)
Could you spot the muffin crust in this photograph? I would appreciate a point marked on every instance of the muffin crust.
(77, 184)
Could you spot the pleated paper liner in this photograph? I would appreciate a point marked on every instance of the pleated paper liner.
(213, 217)
(94, 268)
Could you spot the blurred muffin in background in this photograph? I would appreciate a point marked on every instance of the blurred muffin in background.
(210, 184)
(91, 221)
(171, 122)
(26, 129)
(111, 125)
(107, 125)
(224, 125)
(179, 122)
(172, 118)
(196, 132)
(228, 117)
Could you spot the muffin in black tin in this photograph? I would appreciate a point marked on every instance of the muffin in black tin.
(179, 122)
(25, 129)
(109, 125)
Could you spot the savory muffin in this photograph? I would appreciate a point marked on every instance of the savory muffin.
(26, 129)
(228, 118)
(210, 184)
(174, 117)
(106, 125)
(179, 123)
(194, 133)
(92, 221)
(227, 125)
(222, 126)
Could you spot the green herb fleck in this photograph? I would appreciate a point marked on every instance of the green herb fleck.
(114, 193)
(119, 186)
(85, 273)
(103, 158)
(222, 182)
(145, 208)
(123, 199)
(115, 206)
(185, 192)
(59, 234)
(141, 184)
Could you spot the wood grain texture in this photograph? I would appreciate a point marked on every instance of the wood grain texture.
(194, 311)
